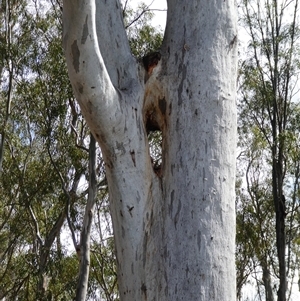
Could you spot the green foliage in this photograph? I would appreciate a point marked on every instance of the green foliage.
(39, 152)
(143, 38)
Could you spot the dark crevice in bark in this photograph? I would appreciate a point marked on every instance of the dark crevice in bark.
(154, 129)
(154, 111)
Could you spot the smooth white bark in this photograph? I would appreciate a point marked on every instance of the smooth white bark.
(200, 159)
(174, 233)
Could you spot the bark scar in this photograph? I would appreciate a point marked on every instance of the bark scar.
(75, 55)
(144, 289)
(85, 31)
(132, 153)
(232, 42)
(130, 210)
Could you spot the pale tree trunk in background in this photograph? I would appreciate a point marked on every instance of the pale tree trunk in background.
(9, 27)
(266, 278)
(84, 247)
(174, 232)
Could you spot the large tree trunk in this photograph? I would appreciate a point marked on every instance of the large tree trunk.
(174, 230)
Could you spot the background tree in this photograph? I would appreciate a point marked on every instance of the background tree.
(268, 140)
(43, 147)
(36, 151)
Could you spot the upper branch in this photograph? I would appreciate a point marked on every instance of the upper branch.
(98, 98)
(113, 43)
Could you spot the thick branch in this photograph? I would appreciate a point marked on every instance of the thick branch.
(113, 43)
(98, 99)
(36, 225)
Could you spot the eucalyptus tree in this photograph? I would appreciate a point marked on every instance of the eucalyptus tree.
(268, 114)
(174, 230)
(143, 38)
(44, 147)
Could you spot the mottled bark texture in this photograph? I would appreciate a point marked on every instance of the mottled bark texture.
(174, 230)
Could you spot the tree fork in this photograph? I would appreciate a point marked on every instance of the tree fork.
(174, 233)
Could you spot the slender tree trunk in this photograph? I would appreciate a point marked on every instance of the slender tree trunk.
(7, 115)
(9, 97)
(174, 230)
(82, 285)
(267, 281)
(279, 204)
(44, 256)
